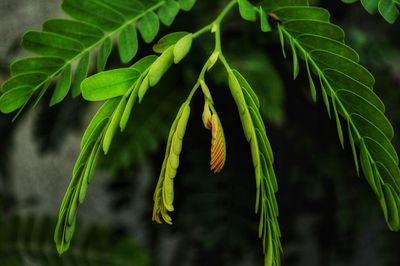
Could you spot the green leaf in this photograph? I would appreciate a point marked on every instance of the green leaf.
(338, 124)
(299, 27)
(182, 48)
(30, 79)
(45, 65)
(51, 44)
(350, 87)
(81, 73)
(104, 113)
(143, 64)
(109, 84)
(265, 27)
(247, 10)
(66, 42)
(295, 60)
(391, 198)
(298, 12)
(149, 26)
(187, 5)
(62, 87)
(168, 40)
(84, 33)
(388, 10)
(168, 12)
(311, 82)
(127, 43)
(160, 66)
(262, 157)
(330, 60)
(370, 5)
(104, 53)
(312, 42)
(14, 98)
(113, 125)
(353, 148)
(128, 109)
(93, 12)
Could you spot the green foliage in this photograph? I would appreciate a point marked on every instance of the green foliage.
(346, 89)
(389, 9)
(261, 152)
(164, 194)
(63, 42)
(28, 238)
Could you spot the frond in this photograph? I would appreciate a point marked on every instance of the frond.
(347, 90)
(62, 43)
(98, 136)
(261, 152)
(164, 193)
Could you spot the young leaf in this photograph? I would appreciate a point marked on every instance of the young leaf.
(62, 87)
(104, 53)
(81, 73)
(160, 66)
(13, 99)
(67, 41)
(182, 48)
(109, 84)
(168, 40)
(311, 82)
(128, 43)
(247, 10)
(168, 12)
(51, 44)
(388, 10)
(186, 5)
(265, 27)
(45, 65)
(295, 60)
(32, 80)
(149, 26)
(164, 193)
(113, 125)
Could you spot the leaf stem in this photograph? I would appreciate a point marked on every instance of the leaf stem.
(214, 27)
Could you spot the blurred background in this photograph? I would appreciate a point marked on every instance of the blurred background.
(328, 215)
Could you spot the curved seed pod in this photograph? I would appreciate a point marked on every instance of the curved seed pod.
(164, 193)
(218, 146)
